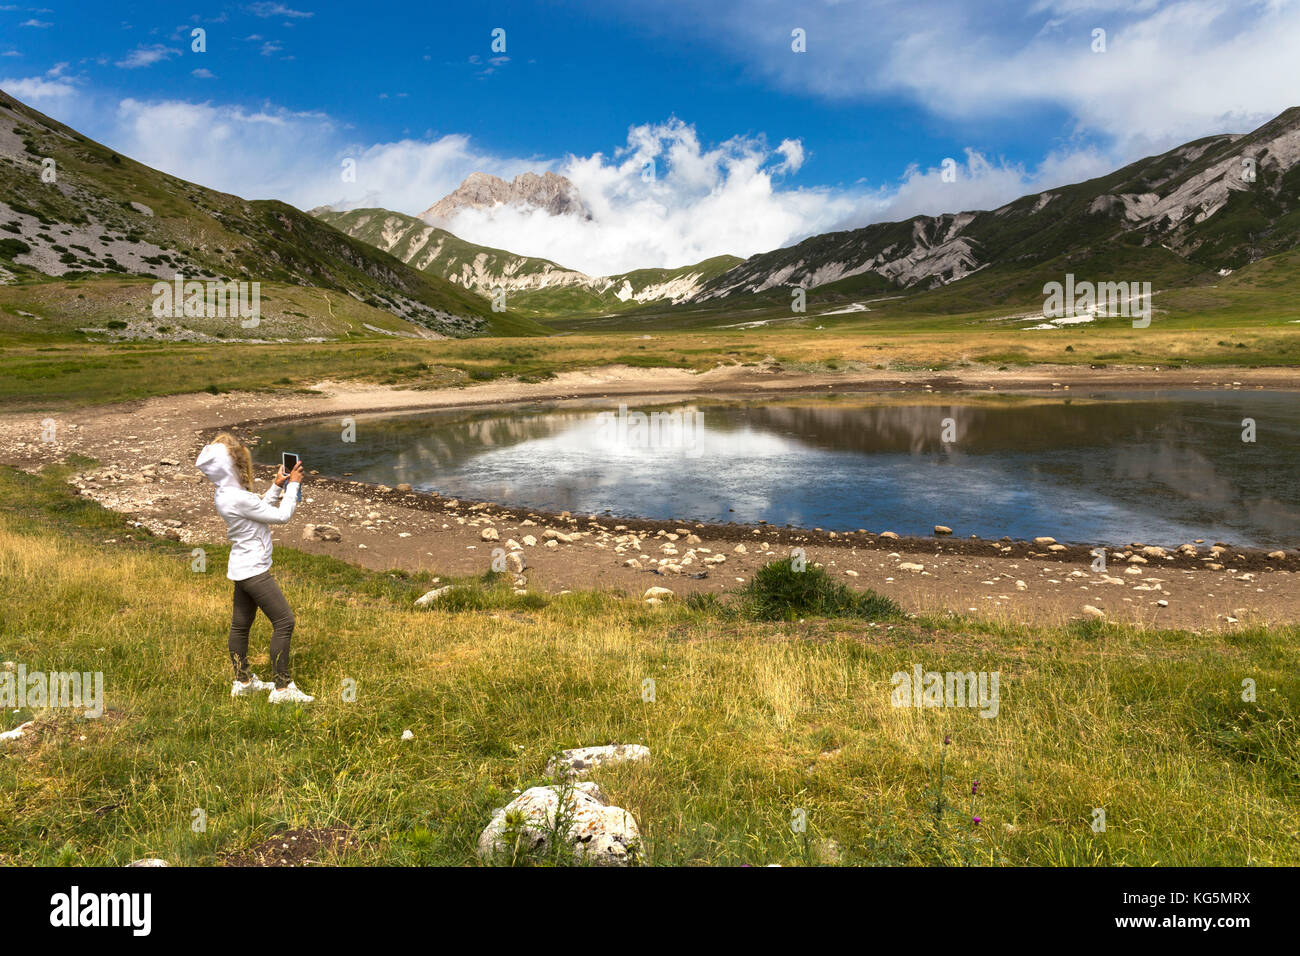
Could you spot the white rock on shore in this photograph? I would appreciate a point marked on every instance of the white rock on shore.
(321, 532)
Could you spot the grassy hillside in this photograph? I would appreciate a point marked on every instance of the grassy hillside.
(97, 308)
(751, 721)
(109, 215)
(439, 252)
(619, 293)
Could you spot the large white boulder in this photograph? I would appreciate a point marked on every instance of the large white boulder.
(598, 833)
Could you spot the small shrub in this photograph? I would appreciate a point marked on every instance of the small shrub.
(779, 592)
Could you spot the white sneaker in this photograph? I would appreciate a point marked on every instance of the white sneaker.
(289, 695)
(252, 687)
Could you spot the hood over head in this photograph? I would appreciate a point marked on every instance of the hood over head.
(217, 465)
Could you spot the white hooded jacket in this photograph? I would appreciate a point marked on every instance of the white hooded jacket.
(247, 515)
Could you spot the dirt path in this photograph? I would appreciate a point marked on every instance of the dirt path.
(146, 450)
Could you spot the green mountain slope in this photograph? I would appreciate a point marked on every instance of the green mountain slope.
(106, 214)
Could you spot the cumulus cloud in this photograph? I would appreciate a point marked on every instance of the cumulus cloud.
(295, 156)
(1172, 70)
(39, 92)
(277, 10)
(664, 199)
(976, 183)
(147, 56)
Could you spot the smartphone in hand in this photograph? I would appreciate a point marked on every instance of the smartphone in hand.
(289, 461)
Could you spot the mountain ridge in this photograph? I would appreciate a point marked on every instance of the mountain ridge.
(1192, 200)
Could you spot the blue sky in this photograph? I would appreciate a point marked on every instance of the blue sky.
(739, 125)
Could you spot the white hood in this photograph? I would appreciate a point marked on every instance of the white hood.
(217, 465)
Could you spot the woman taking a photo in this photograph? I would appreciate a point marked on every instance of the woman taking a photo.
(229, 466)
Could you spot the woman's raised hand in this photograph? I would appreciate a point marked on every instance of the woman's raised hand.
(280, 476)
(296, 474)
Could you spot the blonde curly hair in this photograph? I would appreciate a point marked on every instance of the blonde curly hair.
(240, 455)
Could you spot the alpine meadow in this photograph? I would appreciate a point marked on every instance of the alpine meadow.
(823, 435)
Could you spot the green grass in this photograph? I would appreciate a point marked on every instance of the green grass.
(751, 720)
(41, 371)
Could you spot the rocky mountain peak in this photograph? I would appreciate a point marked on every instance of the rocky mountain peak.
(549, 192)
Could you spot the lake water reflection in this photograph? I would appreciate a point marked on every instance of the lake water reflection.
(1092, 467)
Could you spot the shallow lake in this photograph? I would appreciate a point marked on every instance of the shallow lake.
(1095, 467)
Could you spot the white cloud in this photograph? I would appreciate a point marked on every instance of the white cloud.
(147, 56)
(39, 92)
(793, 152)
(976, 183)
(276, 10)
(664, 199)
(274, 153)
(1173, 70)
